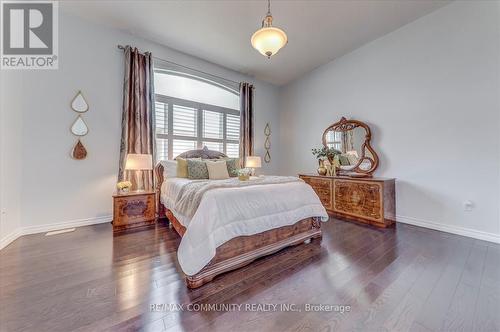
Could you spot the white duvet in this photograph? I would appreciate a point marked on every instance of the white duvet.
(226, 213)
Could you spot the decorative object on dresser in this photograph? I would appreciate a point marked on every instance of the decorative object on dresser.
(369, 200)
(322, 154)
(267, 143)
(134, 209)
(352, 138)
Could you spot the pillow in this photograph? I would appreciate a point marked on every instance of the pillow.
(169, 168)
(353, 160)
(344, 161)
(197, 169)
(204, 153)
(182, 167)
(233, 166)
(217, 170)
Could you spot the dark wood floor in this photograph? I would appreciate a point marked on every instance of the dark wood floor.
(400, 279)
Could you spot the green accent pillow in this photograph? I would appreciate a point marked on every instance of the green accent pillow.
(197, 169)
(344, 161)
(233, 166)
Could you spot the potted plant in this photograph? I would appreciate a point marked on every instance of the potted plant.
(244, 174)
(325, 153)
(124, 186)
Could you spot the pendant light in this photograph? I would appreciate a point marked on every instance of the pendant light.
(269, 40)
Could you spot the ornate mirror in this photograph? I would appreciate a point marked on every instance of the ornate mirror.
(352, 139)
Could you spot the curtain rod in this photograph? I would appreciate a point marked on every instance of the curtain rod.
(121, 47)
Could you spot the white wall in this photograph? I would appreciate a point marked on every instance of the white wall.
(430, 92)
(42, 187)
(10, 158)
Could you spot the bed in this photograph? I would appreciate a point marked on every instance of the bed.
(234, 225)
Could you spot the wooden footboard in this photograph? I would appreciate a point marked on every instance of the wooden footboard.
(242, 250)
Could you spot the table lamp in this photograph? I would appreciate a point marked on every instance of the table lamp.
(139, 162)
(253, 162)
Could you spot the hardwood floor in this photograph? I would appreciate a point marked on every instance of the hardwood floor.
(403, 279)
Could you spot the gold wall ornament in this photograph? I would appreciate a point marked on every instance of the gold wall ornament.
(267, 143)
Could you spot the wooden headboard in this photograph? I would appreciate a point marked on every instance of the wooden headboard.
(159, 172)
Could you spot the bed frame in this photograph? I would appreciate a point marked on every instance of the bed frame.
(241, 250)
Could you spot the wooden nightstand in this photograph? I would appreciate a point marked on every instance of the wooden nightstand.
(133, 209)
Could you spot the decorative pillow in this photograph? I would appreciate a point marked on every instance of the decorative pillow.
(344, 161)
(182, 167)
(169, 168)
(353, 160)
(204, 153)
(197, 169)
(233, 166)
(217, 170)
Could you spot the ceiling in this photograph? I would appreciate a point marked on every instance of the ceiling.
(220, 31)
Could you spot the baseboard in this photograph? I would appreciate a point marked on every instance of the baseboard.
(52, 227)
(65, 224)
(480, 235)
(4, 242)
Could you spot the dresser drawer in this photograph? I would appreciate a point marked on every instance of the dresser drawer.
(323, 189)
(359, 199)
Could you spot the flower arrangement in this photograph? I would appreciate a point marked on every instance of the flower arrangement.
(325, 153)
(124, 186)
(244, 174)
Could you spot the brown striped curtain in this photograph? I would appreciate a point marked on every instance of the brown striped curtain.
(138, 116)
(246, 121)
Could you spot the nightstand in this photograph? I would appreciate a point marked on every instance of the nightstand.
(134, 209)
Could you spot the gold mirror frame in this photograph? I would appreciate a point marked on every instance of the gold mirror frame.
(345, 125)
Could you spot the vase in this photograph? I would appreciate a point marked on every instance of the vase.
(321, 169)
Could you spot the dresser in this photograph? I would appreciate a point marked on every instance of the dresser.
(368, 200)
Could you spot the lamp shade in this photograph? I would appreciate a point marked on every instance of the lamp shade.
(269, 40)
(253, 162)
(139, 162)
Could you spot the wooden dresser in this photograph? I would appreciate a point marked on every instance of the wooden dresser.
(369, 200)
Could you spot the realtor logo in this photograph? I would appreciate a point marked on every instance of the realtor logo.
(29, 35)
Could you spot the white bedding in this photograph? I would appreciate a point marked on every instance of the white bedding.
(226, 213)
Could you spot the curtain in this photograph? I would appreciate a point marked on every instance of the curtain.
(138, 116)
(246, 122)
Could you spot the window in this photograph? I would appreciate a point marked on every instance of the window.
(192, 113)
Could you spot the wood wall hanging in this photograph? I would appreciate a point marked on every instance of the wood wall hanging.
(79, 127)
(267, 143)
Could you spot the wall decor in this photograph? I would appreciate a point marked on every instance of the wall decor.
(79, 104)
(79, 152)
(79, 127)
(267, 143)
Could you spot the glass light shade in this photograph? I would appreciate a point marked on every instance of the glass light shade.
(253, 162)
(139, 162)
(269, 40)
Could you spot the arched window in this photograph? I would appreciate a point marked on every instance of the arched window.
(193, 111)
